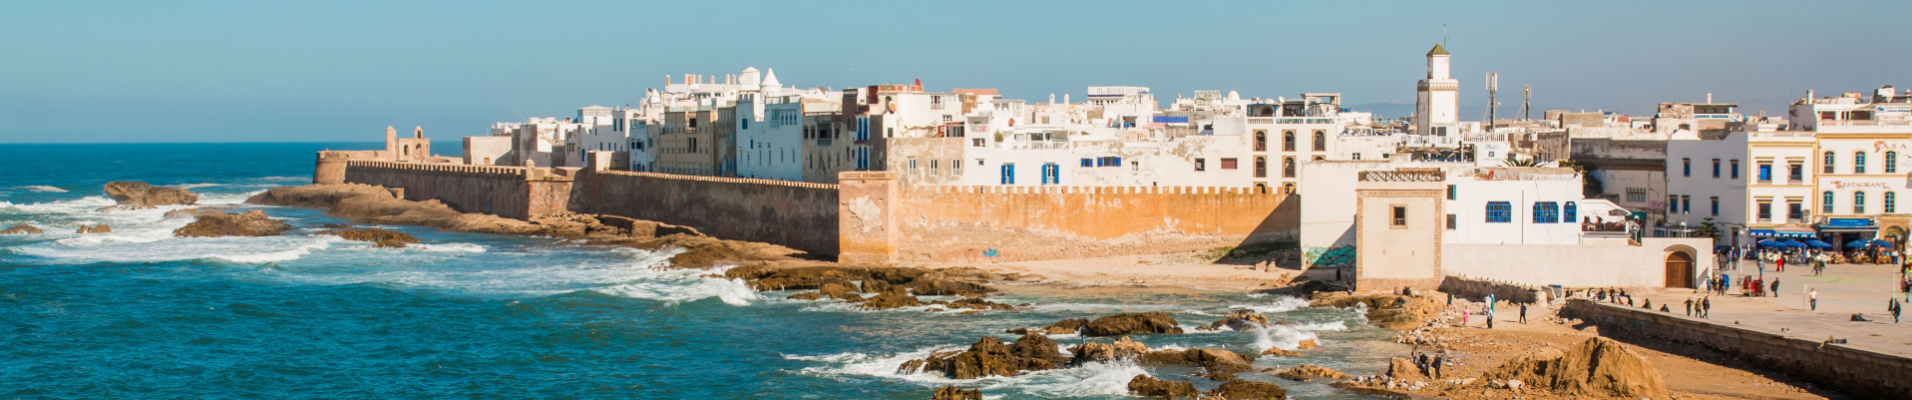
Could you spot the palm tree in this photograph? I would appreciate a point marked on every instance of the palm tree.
(1519, 162)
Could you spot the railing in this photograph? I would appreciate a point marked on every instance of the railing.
(1890, 122)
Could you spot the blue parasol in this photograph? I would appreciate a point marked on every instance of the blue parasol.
(1881, 243)
(1861, 243)
(1818, 244)
(1768, 243)
(1793, 244)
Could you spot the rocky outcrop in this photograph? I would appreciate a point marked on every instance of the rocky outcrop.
(1248, 390)
(1278, 352)
(1067, 326)
(1121, 349)
(955, 393)
(217, 224)
(1598, 367)
(1240, 320)
(137, 195)
(378, 237)
(1131, 324)
(22, 229)
(101, 228)
(1307, 372)
(1217, 364)
(1401, 368)
(892, 299)
(990, 356)
(1148, 386)
(369, 204)
(1306, 344)
(1391, 311)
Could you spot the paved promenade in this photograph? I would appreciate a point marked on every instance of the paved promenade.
(1844, 289)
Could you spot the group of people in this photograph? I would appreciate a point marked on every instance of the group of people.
(1429, 365)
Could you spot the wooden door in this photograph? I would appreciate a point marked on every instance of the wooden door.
(1679, 270)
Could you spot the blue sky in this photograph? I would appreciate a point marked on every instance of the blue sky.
(191, 71)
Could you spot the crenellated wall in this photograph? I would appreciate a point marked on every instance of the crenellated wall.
(503, 191)
(799, 215)
(965, 223)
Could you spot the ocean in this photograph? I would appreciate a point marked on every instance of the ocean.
(137, 313)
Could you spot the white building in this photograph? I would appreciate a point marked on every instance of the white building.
(1437, 100)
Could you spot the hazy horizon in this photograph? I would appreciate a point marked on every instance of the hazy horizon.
(272, 72)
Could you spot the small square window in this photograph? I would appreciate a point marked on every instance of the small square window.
(1400, 216)
(1201, 164)
(1452, 221)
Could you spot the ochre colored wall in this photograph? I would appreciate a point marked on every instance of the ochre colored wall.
(799, 215)
(961, 223)
(483, 189)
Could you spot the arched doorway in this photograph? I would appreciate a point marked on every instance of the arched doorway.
(1679, 270)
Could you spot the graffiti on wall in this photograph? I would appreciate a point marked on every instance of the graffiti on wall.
(1332, 257)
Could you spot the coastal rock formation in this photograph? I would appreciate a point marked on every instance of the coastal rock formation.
(1217, 364)
(574, 225)
(1067, 326)
(1278, 352)
(1241, 320)
(369, 204)
(217, 224)
(1148, 386)
(1598, 367)
(1131, 324)
(954, 393)
(101, 228)
(138, 195)
(1307, 372)
(892, 299)
(1401, 368)
(378, 237)
(1306, 344)
(1121, 349)
(21, 229)
(1248, 390)
(1385, 310)
(990, 356)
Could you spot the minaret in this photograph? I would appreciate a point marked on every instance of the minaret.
(1438, 97)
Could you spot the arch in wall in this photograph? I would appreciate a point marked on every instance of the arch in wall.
(1680, 266)
(404, 151)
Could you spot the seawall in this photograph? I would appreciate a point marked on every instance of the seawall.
(511, 192)
(1858, 372)
(1027, 223)
(798, 215)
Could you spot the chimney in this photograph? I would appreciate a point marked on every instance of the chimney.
(1709, 98)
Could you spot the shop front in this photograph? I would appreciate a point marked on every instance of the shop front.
(1844, 233)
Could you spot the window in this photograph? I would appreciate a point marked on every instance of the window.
(1453, 192)
(1734, 166)
(1320, 141)
(1287, 167)
(1858, 162)
(1795, 211)
(1228, 163)
(1261, 167)
(1500, 212)
(1891, 162)
(1765, 172)
(1859, 202)
(912, 164)
(1546, 212)
(1201, 165)
(1795, 172)
(743, 123)
(1452, 221)
(1891, 202)
(1636, 195)
(1765, 211)
(1826, 166)
(955, 167)
(1686, 167)
(1569, 212)
(978, 142)
(1400, 216)
(1261, 140)
(889, 132)
(1686, 204)
(1715, 168)
(1715, 201)
(1672, 203)
(979, 162)
(1008, 173)
(932, 166)
(1108, 162)
(1088, 162)
(1825, 202)
(1051, 174)
(1287, 140)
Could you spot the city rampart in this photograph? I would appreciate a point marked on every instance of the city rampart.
(799, 215)
(511, 192)
(1854, 371)
(980, 223)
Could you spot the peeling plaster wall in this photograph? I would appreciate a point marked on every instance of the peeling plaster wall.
(1020, 223)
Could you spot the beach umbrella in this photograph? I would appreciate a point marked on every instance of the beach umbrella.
(1794, 244)
(1818, 244)
(1881, 243)
(1768, 243)
(1858, 243)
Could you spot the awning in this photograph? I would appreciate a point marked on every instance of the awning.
(1848, 229)
(1783, 233)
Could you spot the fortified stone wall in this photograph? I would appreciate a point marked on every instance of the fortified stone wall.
(978, 223)
(502, 191)
(799, 215)
(1854, 371)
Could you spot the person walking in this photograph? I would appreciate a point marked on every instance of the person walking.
(1775, 286)
(1813, 296)
(1894, 306)
(1523, 313)
(1466, 312)
(1439, 358)
(1490, 319)
(1706, 307)
(1689, 306)
(1779, 264)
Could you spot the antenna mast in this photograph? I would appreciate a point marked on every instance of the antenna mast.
(1526, 100)
(1493, 85)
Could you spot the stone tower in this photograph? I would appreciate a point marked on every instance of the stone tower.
(1437, 101)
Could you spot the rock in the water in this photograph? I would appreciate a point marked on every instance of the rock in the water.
(977, 303)
(101, 228)
(1599, 367)
(21, 229)
(1401, 368)
(806, 296)
(1307, 372)
(944, 287)
(141, 195)
(837, 290)
(892, 299)
(1249, 390)
(379, 237)
(217, 224)
(1121, 349)
(1390, 311)
(1307, 344)
(1148, 386)
(1219, 364)
(954, 393)
(1278, 352)
(1241, 320)
(990, 356)
(1131, 324)
(1066, 326)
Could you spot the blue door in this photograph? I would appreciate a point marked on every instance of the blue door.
(1008, 174)
(1051, 174)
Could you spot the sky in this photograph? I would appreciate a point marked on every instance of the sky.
(281, 71)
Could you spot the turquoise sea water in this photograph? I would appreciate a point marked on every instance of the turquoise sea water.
(137, 313)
